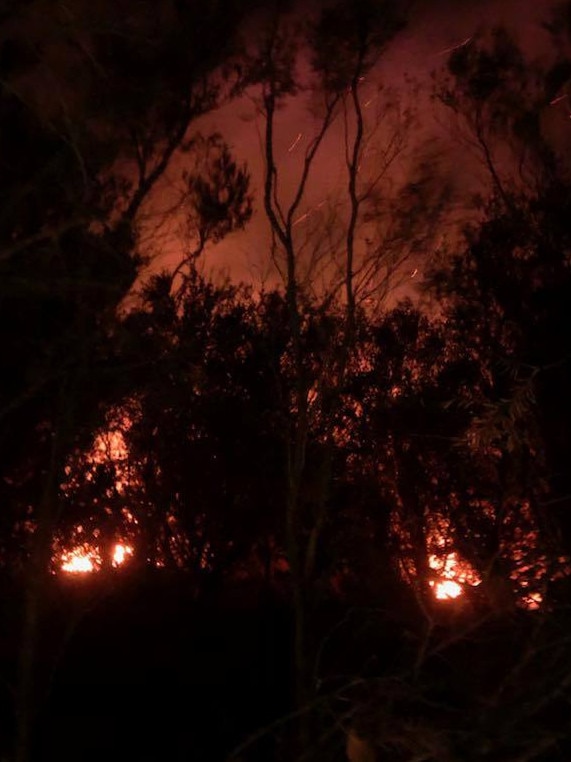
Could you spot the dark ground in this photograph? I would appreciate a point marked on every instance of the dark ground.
(150, 673)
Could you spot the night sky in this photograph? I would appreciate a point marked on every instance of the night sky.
(241, 470)
(407, 71)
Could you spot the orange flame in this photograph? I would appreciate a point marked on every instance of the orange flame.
(446, 589)
(453, 572)
(86, 559)
(121, 553)
(80, 561)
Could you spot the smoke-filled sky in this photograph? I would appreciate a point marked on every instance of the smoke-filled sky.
(406, 72)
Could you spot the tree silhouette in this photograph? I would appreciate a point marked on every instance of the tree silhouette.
(78, 166)
(504, 295)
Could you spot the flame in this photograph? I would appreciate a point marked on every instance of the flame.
(452, 567)
(451, 571)
(85, 559)
(446, 589)
(533, 601)
(80, 561)
(121, 553)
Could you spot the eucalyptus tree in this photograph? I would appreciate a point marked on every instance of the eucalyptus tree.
(323, 265)
(505, 288)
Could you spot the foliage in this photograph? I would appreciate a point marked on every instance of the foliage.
(511, 283)
(309, 441)
(83, 147)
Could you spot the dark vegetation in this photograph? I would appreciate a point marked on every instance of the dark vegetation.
(283, 461)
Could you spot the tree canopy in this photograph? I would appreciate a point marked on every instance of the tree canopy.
(325, 446)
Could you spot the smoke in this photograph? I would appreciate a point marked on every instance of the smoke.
(404, 77)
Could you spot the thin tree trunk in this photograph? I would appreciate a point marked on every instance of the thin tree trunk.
(29, 690)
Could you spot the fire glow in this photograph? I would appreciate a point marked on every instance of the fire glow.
(121, 553)
(81, 560)
(85, 559)
(446, 589)
(452, 574)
